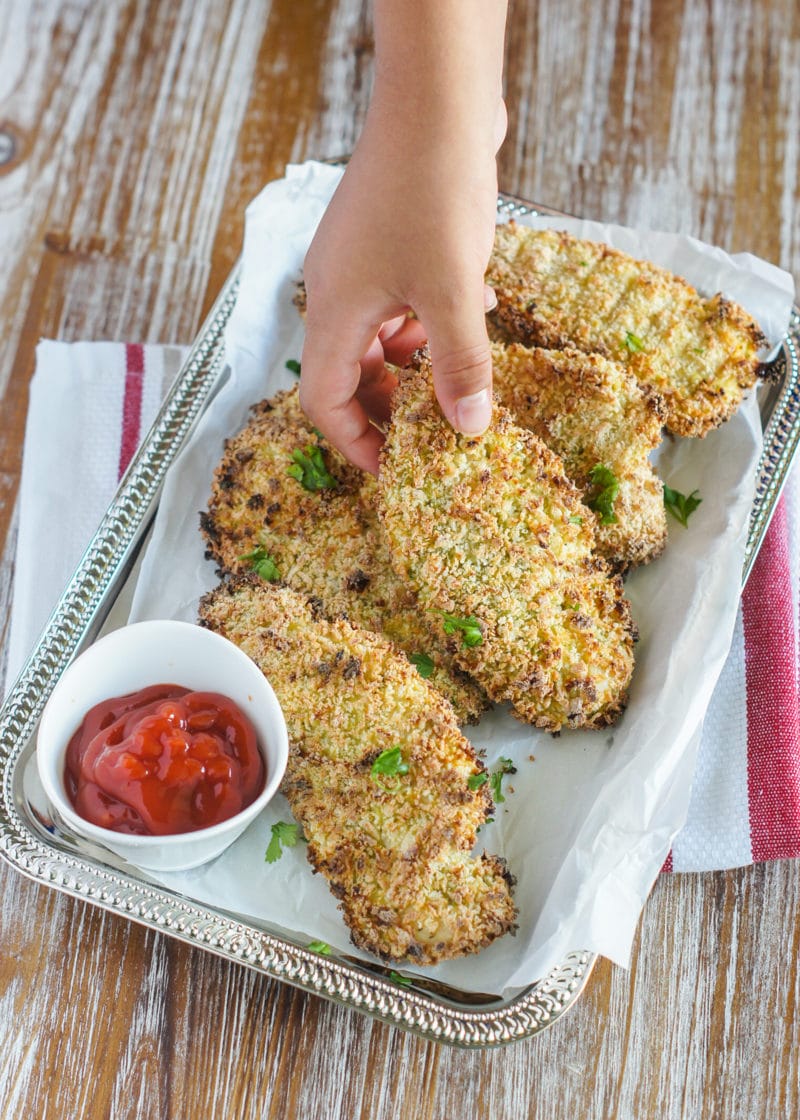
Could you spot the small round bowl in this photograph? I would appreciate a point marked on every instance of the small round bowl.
(148, 653)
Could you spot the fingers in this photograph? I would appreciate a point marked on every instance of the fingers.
(400, 344)
(331, 373)
(461, 358)
(500, 125)
(376, 385)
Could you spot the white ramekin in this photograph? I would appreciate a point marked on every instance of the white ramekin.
(134, 657)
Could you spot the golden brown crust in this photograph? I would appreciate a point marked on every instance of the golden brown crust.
(492, 528)
(590, 411)
(326, 544)
(395, 850)
(557, 291)
(300, 299)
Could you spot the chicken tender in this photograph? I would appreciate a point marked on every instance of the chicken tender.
(557, 291)
(378, 776)
(324, 542)
(495, 540)
(595, 416)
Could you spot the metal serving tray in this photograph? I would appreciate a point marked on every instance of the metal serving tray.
(46, 851)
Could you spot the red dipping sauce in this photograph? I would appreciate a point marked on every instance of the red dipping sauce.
(162, 761)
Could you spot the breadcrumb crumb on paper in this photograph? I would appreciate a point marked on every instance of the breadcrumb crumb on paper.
(590, 822)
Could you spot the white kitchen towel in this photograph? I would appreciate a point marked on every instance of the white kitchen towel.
(90, 405)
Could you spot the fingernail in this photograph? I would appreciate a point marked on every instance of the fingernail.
(489, 298)
(473, 414)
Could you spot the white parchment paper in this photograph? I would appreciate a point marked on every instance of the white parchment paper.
(592, 814)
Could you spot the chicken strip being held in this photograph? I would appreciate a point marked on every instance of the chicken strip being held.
(495, 540)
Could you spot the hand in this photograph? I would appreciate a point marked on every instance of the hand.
(410, 228)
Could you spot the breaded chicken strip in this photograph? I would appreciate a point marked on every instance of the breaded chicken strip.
(494, 538)
(378, 776)
(556, 291)
(325, 543)
(593, 414)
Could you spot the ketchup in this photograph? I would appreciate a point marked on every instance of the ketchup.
(163, 760)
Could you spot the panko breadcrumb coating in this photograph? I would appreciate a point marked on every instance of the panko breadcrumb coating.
(556, 291)
(490, 531)
(325, 543)
(592, 412)
(395, 848)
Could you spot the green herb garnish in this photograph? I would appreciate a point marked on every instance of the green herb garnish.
(575, 519)
(319, 947)
(424, 664)
(633, 344)
(389, 763)
(471, 632)
(681, 506)
(398, 979)
(308, 467)
(284, 835)
(605, 485)
(475, 781)
(506, 766)
(293, 366)
(262, 564)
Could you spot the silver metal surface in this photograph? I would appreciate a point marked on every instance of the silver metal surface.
(42, 849)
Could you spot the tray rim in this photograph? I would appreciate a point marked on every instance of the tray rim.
(78, 616)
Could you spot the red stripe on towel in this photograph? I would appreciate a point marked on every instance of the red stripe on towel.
(131, 405)
(773, 712)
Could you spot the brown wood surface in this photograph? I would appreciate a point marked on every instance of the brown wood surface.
(140, 131)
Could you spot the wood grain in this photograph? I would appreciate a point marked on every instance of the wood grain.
(141, 131)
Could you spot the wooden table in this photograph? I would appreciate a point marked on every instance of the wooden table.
(132, 135)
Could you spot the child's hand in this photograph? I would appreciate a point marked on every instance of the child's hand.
(410, 227)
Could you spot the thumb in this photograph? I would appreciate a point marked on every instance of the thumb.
(462, 363)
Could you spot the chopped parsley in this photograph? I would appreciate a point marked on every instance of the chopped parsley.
(389, 763)
(284, 835)
(506, 767)
(319, 947)
(471, 632)
(308, 467)
(475, 781)
(396, 978)
(424, 664)
(633, 344)
(605, 488)
(262, 564)
(293, 366)
(575, 519)
(681, 506)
